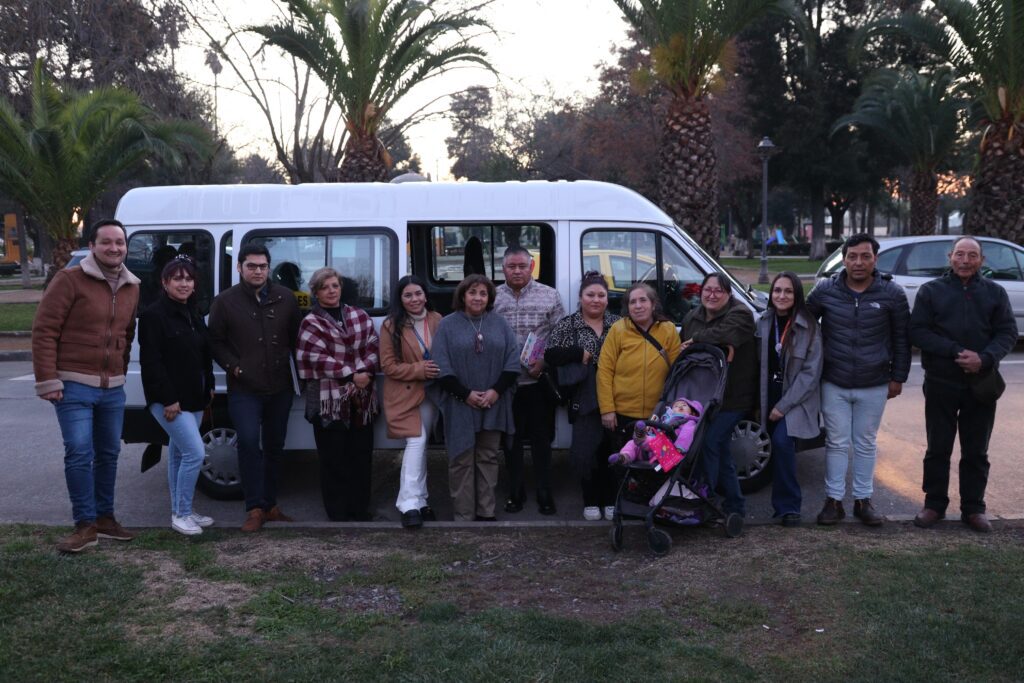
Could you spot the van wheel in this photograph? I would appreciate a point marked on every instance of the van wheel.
(752, 452)
(219, 478)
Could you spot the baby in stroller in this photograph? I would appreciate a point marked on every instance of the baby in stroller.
(649, 442)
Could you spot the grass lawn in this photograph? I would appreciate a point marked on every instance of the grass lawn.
(799, 265)
(16, 317)
(809, 604)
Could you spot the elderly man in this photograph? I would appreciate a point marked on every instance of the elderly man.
(964, 326)
(81, 337)
(529, 306)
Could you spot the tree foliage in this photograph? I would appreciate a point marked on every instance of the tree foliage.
(57, 161)
(370, 54)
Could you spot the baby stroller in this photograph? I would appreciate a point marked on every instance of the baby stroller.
(678, 496)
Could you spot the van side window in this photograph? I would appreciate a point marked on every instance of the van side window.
(365, 260)
(626, 257)
(149, 252)
(444, 254)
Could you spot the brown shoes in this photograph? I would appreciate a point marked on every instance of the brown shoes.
(927, 518)
(108, 527)
(254, 520)
(274, 514)
(832, 513)
(866, 513)
(84, 536)
(977, 521)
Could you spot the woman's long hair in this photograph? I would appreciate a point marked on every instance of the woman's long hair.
(397, 313)
(799, 303)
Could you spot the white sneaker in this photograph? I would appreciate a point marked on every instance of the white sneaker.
(592, 513)
(201, 520)
(185, 525)
(609, 512)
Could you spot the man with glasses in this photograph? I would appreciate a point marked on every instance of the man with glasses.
(253, 328)
(964, 326)
(81, 337)
(529, 307)
(865, 332)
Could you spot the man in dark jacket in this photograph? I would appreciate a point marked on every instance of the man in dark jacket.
(964, 326)
(81, 337)
(864, 325)
(253, 327)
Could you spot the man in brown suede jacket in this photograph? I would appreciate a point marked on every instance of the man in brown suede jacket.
(81, 338)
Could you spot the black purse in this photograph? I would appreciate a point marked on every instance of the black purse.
(989, 387)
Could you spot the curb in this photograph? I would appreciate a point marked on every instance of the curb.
(15, 356)
(19, 333)
(388, 525)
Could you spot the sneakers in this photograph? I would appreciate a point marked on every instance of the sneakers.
(201, 520)
(274, 514)
(609, 512)
(84, 536)
(254, 520)
(832, 513)
(592, 513)
(185, 525)
(866, 513)
(108, 527)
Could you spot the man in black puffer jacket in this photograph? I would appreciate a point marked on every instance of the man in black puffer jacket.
(864, 325)
(964, 326)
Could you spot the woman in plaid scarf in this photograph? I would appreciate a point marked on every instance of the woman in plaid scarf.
(337, 352)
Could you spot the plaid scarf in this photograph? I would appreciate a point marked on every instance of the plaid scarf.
(331, 351)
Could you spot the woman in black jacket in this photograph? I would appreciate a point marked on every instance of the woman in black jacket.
(177, 378)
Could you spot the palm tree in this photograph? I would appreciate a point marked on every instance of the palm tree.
(386, 48)
(692, 48)
(58, 161)
(983, 40)
(919, 118)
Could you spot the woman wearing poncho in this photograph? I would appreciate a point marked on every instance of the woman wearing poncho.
(478, 358)
(337, 351)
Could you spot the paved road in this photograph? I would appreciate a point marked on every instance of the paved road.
(32, 486)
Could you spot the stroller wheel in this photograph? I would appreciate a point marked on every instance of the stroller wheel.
(659, 541)
(733, 525)
(617, 537)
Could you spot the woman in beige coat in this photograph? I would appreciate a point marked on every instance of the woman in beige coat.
(405, 340)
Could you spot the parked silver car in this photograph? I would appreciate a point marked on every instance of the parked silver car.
(914, 261)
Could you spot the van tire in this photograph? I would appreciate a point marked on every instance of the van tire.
(752, 452)
(219, 477)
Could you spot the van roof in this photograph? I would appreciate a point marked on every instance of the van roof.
(436, 202)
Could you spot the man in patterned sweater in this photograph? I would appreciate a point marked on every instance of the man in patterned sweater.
(529, 306)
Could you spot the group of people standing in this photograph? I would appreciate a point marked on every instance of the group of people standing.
(835, 358)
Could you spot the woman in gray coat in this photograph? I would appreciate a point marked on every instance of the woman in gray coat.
(791, 360)
(478, 358)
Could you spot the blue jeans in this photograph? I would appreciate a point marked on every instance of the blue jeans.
(851, 416)
(90, 421)
(786, 496)
(717, 464)
(185, 454)
(260, 419)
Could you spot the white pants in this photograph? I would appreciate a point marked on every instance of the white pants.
(412, 492)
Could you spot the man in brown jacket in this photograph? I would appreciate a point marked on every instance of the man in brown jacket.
(81, 338)
(253, 327)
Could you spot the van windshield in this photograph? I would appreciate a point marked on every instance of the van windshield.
(738, 288)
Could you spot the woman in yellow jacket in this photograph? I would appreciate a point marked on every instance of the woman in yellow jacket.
(631, 372)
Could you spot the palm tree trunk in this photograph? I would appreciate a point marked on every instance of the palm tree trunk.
(996, 199)
(365, 160)
(924, 202)
(688, 180)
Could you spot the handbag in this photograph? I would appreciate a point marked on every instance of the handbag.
(987, 388)
(550, 384)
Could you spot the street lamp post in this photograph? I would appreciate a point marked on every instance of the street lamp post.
(765, 149)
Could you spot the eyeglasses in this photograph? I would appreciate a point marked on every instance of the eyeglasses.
(712, 291)
(254, 267)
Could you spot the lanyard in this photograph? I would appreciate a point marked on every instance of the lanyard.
(426, 331)
(780, 341)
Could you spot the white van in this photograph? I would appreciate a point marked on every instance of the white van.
(374, 233)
